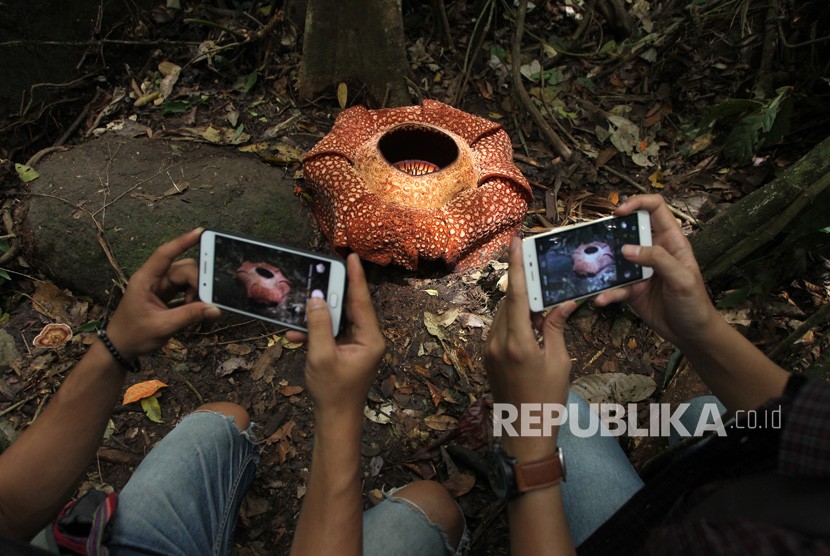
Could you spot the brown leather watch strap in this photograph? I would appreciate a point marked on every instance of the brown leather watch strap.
(539, 474)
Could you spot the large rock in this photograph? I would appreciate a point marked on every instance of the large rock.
(128, 188)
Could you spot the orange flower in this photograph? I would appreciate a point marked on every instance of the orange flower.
(419, 182)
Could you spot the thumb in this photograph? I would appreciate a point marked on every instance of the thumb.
(187, 314)
(553, 330)
(668, 267)
(320, 336)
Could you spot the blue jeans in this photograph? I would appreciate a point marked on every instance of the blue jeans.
(600, 478)
(184, 498)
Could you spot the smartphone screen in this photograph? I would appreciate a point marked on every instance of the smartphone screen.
(585, 259)
(268, 281)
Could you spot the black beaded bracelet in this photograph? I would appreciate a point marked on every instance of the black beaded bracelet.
(102, 333)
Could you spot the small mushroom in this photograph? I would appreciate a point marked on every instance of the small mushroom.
(53, 335)
(142, 390)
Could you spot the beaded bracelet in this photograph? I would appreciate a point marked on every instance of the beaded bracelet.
(132, 367)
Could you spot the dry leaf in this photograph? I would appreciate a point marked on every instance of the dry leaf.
(239, 349)
(614, 387)
(51, 301)
(342, 94)
(142, 390)
(264, 368)
(460, 484)
(152, 409)
(232, 365)
(435, 392)
(440, 422)
(289, 391)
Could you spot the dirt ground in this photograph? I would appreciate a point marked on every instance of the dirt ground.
(427, 411)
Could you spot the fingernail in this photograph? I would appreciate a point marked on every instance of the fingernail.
(631, 250)
(212, 312)
(200, 229)
(315, 303)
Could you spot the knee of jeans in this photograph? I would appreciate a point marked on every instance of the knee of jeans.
(239, 414)
(438, 505)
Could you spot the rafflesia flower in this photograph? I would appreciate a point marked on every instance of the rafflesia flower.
(428, 182)
(264, 283)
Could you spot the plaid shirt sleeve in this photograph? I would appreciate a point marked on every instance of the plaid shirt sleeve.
(805, 439)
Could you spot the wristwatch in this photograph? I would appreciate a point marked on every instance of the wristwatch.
(509, 478)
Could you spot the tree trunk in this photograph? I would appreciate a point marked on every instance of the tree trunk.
(360, 43)
(751, 223)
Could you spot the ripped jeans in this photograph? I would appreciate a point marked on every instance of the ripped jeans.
(184, 498)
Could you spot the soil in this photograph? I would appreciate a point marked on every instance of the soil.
(428, 407)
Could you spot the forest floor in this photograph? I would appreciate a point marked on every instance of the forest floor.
(623, 110)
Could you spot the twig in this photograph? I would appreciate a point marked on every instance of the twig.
(816, 319)
(79, 120)
(14, 406)
(8, 223)
(677, 212)
(40, 407)
(38, 156)
(193, 389)
(559, 146)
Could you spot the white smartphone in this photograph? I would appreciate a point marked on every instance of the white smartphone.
(585, 259)
(267, 281)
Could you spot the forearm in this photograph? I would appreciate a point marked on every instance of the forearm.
(41, 470)
(737, 372)
(538, 525)
(331, 519)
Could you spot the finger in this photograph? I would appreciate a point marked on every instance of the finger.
(320, 336)
(359, 309)
(675, 275)
(617, 295)
(162, 258)
(553, 331)
(183, 275)
(295, 336)
(185, 315)
(662, 219)
(518, 307)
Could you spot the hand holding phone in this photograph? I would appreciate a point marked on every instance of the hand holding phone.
(582, 260)
(267, 281)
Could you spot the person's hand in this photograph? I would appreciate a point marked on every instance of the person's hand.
(339, 372)
(143, 322)
(674, 301)
(520, 371)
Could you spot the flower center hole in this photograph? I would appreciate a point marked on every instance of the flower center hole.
(591, 249)
(264, 272)
(406, 146)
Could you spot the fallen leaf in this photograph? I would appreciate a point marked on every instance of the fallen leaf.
(174, 349)
(232, 365)
(430, 292)
(440, 422)
(26, 173)
(460, 484)
(264, 368)
(239, 349)
(614, 387)
(433, 325)
(342, 94)
(435, 392)
(736, 316)
(655, 179)
(51, 301)
(379, 415)
(177, 189)
(152, 409)
(142, 390)
(289, 391)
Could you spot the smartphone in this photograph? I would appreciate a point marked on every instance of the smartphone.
(585, 259)
(267, 281)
